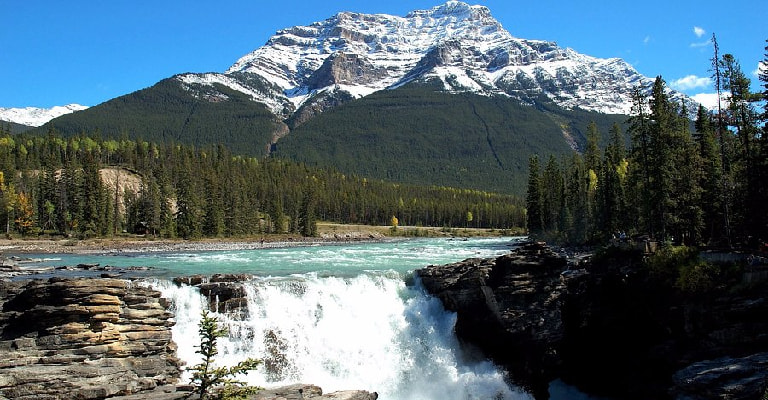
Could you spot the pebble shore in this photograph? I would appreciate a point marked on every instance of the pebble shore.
(101, 246)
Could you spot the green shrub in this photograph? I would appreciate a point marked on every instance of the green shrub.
(206, 378)
(700, 277)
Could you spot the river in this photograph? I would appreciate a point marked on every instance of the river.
(341, 317)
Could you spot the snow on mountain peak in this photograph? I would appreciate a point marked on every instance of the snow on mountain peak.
(459, 44)
(34, 116)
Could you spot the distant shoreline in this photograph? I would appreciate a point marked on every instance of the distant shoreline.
(109, 245)
(330, 234)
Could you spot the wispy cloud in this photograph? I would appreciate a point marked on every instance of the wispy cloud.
(691, 82)
(700, 32)
(705, 43)
(646, 40)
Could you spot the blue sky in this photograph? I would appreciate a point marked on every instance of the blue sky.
(55, 52)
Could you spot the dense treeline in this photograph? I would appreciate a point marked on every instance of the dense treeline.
(55, 185)
(674, 185)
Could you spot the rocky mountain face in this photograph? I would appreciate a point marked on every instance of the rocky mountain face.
(465, 49)
(608, 327)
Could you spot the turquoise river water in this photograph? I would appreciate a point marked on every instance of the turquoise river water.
(338, 316)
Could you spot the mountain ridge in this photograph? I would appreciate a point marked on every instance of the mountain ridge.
(36, 116)
(326, 85)
(461, 45)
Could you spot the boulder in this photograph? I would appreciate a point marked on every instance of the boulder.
(225, 292)
(725, 378)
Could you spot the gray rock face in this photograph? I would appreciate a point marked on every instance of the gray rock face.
(509, 307)
(84, 339)
(724, 378)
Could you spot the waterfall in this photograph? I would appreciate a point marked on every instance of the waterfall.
(369, 332)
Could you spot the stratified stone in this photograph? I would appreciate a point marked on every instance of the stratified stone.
(81, 339)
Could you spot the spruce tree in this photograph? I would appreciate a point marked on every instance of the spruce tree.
(640, 162)
(552, 187)
(533, 199)
(710, 178)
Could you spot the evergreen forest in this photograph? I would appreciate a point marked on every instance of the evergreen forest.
(706, 187)
(55, 186)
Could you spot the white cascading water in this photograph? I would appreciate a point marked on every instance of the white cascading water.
(369, 332)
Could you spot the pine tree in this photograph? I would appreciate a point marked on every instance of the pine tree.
(640, 162)
(552, 187)
(686, 189)
(611, 204)
(206, 377)
(307, 218)
(710, 178)
(743, 119)
(724, 143)
(577, 200)
(533, 199)
(188, 210)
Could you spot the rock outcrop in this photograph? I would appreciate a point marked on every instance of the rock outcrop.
(83, 339)
(509, 307)
(610, 327)
(725, 378)
(97, 338)
(301, 392)
(225, 292)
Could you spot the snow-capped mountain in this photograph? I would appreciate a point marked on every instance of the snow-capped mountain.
(34, 116)
(465, 49)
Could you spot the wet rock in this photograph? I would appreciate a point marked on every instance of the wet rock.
(225, 292)
(725, 378)
(301, 391)
(509, 307)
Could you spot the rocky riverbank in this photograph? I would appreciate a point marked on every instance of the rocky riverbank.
(100, 338)
(607, 326)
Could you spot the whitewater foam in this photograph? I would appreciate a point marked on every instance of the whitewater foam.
(369, 332)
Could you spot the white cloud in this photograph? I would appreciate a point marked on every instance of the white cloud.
(647, 40)
(698, 31)
(709, 100)
(691, 82)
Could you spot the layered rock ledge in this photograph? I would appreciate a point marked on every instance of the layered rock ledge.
(83, 339)
(609, 327)
(99, 338)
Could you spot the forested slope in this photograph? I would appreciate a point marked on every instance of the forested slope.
(418, 135)
(167, 113)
